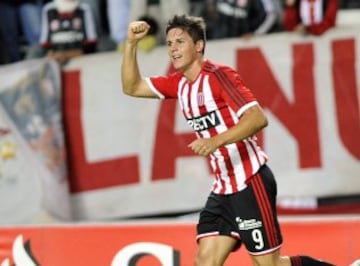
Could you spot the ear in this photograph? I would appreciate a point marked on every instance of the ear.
(200, 46)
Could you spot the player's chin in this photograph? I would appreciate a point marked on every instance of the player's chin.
(177, 66)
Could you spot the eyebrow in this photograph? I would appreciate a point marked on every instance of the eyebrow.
(176, 39)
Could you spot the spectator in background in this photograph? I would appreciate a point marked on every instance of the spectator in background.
(68, 30)
(118, 15)
(197, 8)
(245, 18)
(310, 17)
(20, 19)
(207, 10)
(95, 6)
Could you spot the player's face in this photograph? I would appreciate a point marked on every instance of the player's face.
(182, 50)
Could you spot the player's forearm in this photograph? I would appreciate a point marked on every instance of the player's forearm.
(250, 123)
(130, 74)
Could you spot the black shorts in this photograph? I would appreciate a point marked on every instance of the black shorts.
(249, 215)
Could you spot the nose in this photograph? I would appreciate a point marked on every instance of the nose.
(172, 47)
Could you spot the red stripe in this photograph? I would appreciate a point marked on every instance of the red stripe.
(223, 78)
(266, 211)
(295, 261)
(245, 159)
(230, 88)
(263, 204)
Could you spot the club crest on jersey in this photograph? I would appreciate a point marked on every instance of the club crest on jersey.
(200, 99)
(204, 122)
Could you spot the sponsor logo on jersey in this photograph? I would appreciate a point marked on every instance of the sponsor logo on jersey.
(204, 122)
(249, 224)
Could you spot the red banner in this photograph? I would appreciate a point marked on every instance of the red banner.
(163, 244)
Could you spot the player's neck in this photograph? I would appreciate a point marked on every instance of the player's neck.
(192, 72)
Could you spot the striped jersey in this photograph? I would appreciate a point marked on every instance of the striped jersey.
(212, 104)
(66, 31)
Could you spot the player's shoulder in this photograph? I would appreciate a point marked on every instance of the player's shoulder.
(177, 75)
(218, 68)
(212, 67)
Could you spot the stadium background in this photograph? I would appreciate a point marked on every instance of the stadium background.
(82, 165)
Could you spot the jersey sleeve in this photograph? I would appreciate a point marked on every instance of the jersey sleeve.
(235, 92)
(44, 32)
(164, 86)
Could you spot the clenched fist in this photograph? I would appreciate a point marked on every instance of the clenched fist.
(137, 30)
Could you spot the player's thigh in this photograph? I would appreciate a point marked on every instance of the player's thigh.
(214, 250)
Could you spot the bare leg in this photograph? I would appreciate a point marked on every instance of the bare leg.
(271, 259)
(214, 250)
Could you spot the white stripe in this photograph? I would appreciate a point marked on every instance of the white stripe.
(193, 97)
(183, 102)
(152, 87)
(252, 155)
(245, 107)
(216, 233)
(305, 13)
(20, 255)
(266, 251)
(229, 10)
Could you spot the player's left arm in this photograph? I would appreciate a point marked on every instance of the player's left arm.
(250, 123)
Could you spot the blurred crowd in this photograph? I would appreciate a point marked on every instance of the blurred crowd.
(63, 29)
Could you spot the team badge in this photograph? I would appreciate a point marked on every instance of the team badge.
(200, 99)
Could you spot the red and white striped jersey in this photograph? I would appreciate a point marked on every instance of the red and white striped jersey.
(211, 105)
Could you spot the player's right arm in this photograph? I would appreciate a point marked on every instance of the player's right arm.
(132, 82)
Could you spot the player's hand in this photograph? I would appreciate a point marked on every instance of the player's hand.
(137, 30)
(300, 28)
(247, 36)
(203, 147)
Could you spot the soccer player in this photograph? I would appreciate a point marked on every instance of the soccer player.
(224, 113)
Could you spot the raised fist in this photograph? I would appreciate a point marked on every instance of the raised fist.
(138, 30)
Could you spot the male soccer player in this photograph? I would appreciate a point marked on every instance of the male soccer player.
(224, 113)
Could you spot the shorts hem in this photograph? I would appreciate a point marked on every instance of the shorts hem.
(217, 233)
(265, 252)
